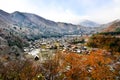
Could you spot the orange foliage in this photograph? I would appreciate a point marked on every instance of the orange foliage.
(63, 66)
(83, 67)
(109, 43)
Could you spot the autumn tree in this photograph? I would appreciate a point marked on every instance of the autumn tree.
(84, 67)
(109, 43)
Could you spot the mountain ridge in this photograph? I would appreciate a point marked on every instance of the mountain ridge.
(113, 26)
(33, 25)
(89, 23)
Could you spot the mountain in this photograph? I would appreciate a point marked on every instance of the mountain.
(32, 26)
(9, 37)
(89, 23)
(113, 26)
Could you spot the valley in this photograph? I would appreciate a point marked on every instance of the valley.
(35, 48)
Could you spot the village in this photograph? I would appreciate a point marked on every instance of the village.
(46, 48)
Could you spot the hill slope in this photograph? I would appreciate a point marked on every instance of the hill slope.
(113, 26)
(33, 26)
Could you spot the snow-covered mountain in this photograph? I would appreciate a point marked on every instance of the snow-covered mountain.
(88, 23)
(31, 26)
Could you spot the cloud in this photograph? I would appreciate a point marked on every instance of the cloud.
(61, 15)
(116, 1)
(100, 11)
(71, 11)
(106, 13)
(86, 2)
(17, 5)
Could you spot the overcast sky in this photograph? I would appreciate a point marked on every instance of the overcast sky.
(71, 11)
